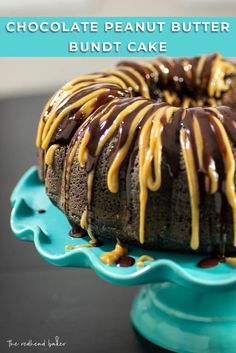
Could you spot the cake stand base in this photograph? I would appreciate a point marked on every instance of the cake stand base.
(184, 308)
(186, 320)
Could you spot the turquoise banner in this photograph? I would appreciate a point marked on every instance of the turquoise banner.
(116, 36)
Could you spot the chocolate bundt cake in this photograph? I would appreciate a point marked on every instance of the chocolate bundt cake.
(145, 152)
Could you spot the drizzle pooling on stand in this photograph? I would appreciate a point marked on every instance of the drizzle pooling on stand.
(41, 211)
(125, 261)
(211, 262)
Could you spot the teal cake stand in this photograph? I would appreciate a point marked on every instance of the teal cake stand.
(180, 307)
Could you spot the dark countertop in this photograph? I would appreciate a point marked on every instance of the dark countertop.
(39, 301)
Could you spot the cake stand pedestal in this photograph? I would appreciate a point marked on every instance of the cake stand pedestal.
(186, 320)
(181, 307)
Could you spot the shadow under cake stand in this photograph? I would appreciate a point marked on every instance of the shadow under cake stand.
(180, 307)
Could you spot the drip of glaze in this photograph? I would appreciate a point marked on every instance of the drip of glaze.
(218, 258)
(85, 245)
(202, 142)
(111, 257)
(97, 243)
(41, 211)
(231, 261)
(141, 260)
(210, 262)
(125, 261)
(186, 76)
(72, 247)
(82, 104)
(77, 233)
(51, 153)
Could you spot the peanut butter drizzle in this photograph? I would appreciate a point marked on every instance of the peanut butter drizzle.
(217, 82)
(152, 119)
(83, 155)
(192, 184)
(83, 220)
(199, 68)
(50, 153)
(153, 71)
(150, 151)
(145, 157)
(130, 82)
(111, 257)
(229, 164)
(141, 260)
(231, 261)
(143, 85)
(55, 122)
(131, 75)
(113, 173)
(72, 247)
(66, 173)
(87, 92)
(113, 183)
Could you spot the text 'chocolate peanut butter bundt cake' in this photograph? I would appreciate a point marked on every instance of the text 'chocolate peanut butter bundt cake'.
(145, 152)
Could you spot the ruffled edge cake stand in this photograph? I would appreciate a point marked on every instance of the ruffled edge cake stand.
(181, 307)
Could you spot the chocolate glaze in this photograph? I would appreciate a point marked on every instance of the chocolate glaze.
(210, 262)
(68, 127)
(125, 261)
(77, 232)
(227, 115)
(75, 118)
(97, 130)
(145, 72)
(170, 142)
(213, 143)
(41, 211)
(177, 75)
(133, 154)
(91, 87)
(132, 76)
(206, 71)
(123, 132)
(97, 244)
(65, 174)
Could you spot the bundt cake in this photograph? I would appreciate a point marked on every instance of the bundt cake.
(145, 152)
